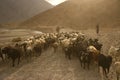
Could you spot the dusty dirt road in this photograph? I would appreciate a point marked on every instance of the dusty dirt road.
(52, 66)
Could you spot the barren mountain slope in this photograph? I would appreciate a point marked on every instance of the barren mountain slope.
(20, 10)
(79, 13)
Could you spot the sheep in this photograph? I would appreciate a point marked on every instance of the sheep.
(29, 51)
(55, 46)
(94, 52)
(92, 49)
(68, 47)
(37, 48)
(117, 69)
(114, 52)
(65, 42)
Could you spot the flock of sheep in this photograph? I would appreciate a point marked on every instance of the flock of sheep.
(87, 50)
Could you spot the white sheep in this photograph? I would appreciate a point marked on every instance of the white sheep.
(92, 49)
(117, 69)
(65, 42)
(114, 52)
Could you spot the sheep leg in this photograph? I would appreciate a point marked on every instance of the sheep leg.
(117, 76)
(88, 65)
(2, 57)
(18, 60)
(101, 72)
(55, 49)
(81, 64)
(108, 69)
(30, 54)
(80, 61)
(65, 55)
(40, 52)
(13, 62)
(69, 56)
(27, 56)
(84, 65)
(105, 73)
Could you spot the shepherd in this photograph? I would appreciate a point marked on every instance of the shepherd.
(58, 29)
(97, 29)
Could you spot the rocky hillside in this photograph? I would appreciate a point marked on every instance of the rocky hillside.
(78, 14)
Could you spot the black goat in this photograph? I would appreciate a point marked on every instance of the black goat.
(68, 51)
(12, 53)
(1, 55)
(104, 62)
(85, 59)
(37, 49)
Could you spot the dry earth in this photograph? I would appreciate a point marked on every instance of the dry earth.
(54, 66)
